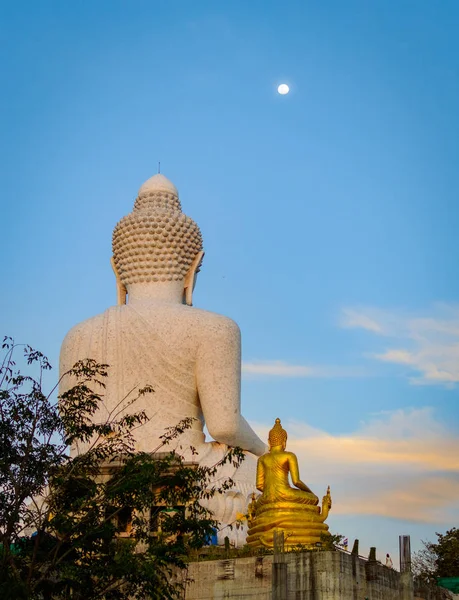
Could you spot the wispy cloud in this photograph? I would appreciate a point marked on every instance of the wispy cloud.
(353, 318)
(427, 343)
(402, 464)
(278, 368)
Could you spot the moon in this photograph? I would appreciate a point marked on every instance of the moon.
(283, 89)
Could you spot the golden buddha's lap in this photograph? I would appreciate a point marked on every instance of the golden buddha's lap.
(289, 495)
(287, 507)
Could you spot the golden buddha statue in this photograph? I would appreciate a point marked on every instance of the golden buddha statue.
(293, 510)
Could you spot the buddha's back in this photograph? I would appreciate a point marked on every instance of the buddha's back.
(166, 346)
(190, 357)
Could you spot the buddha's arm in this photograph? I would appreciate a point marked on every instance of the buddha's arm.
(295, 474)
(260, 476)
(218, 374)
(68, 356)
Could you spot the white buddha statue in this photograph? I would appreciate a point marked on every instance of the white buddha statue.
(191, 357)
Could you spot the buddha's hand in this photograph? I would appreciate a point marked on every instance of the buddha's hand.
(326, 504)
(327, 501)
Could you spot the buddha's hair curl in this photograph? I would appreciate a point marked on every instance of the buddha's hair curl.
(156, 242)
(277, 435)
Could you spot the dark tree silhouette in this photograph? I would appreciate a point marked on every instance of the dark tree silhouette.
(109, 523)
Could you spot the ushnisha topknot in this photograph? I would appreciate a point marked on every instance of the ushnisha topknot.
(277, 435)
(156, 241)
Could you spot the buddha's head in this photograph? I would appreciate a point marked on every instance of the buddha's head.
(156, 242)
(277, 436)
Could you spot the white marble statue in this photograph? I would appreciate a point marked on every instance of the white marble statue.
(191, 357)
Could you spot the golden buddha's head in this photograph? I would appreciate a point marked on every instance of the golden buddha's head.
(277, 435)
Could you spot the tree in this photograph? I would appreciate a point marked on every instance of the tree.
(423, 564)
(447, 553)
(330, 541)
(439, 559)
(108, 523)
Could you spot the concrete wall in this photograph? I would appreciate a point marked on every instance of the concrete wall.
(310, 576)
(234, 578)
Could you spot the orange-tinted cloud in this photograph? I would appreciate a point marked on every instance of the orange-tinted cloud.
(402, 464)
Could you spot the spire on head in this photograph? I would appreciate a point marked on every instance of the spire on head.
(156, 192)
(277, 435)
(156, 241)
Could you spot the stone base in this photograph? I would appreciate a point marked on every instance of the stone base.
(320, 575)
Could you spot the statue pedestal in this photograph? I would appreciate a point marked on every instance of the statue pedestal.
(302, 525)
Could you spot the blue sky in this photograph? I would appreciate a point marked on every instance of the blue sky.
(329, 216)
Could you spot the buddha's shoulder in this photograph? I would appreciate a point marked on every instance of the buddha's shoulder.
(274, 457)
(178, 313)
(209, 327)
(211, 318)
(289, 454)
(88, 326)
(189, 317)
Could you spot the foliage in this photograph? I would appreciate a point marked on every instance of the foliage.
(330, 541)
(439, 559)
(423, 564)
(447, 551)
(86, 525)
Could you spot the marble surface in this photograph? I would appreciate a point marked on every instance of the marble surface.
(191, 357)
